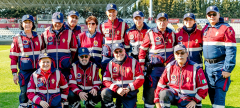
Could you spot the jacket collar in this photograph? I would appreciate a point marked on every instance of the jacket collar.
(75, 28)
(218, 25)
(38, 71)
(61, 29)
(145, 26)
(22, 33)
(120, 62)
(158, 31)
(89, 35)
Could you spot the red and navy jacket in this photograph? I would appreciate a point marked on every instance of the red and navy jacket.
(218, 41)
(39, 87)
(127, 73)
(193, 43)
(188, 80)
(24, 51)
(113, 32)
(134, 38)
(80, 79)
(61, 47)
(94, 44)
(160, 46)
(77, 29)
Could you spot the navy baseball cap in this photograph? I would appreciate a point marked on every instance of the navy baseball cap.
(117, 45)
(179, 47)
(111, 6)
(138, 13)
(57, 17)
(212, 9)
(189, 15)
(83, 51)
(44, 55)
(162, 15)
(27, 17)
(73, 13)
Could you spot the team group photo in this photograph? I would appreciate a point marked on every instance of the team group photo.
(113, 58)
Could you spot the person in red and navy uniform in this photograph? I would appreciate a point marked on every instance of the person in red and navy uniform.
(122, 78)
(47, 87)
(84, 81)
(92, 40)
(135, 35)
(219, 51)
(158, 44)
(113, 31)
(25, 48)
(183, 82)
(191, 37)
(60, 44)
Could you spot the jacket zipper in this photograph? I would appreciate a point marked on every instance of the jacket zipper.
(47, 90)
(208, 41)
(180, 80)
(33, 52)
(112, 38)
(57, 38)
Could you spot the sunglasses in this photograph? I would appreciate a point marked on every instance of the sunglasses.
(91, 23)
(119, 51)
(181, 53)
(86, 56)
(214, 14)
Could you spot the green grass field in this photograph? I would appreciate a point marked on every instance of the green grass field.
(9, 91)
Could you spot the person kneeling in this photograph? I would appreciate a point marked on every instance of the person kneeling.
(45, 84)
(183, 82)
(84, 81)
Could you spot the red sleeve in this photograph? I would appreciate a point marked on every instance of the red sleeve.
(162, 83)
(97, 81)
(143, 49)
(31, 92)
(73, 83)
(126, 41)
(100, 27)
(139, 78)
(107, 80)
(73, 45)
(64, 87)
(14, 53)
(201, 86)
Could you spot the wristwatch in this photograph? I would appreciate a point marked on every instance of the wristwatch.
(14, 74)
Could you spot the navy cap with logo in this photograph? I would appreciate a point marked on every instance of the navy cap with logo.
(212, 9)
(111, 6)
(189, 15)
(44, 55)
(162, 15)
(73, 13)
(83, 51)
(179, 47)
(117, 46)
(27, 17)
(138, 13)
(57, 17)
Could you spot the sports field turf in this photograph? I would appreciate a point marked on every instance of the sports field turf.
(9, 91)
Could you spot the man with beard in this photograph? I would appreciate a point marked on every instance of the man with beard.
(84, 81)
(183, 82)
(122, 78)
(219, 51)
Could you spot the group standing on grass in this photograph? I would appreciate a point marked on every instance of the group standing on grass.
(61, 67)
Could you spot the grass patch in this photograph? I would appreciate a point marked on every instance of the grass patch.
(9, 91)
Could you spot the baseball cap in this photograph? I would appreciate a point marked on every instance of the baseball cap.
(138, 13)
(27, 17)
(83, 51)
(212, 8)
(162, 15)
(111, 6)
(189, 15)
(57, 17)
(73, 13)
(179, 47)
(117, 45)
(44, 55)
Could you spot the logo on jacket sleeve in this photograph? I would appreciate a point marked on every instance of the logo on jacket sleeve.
(157, 38)
(79, 75)
(25, 42)
(29, 84)
(70, 76)
(50, 38)
(39, 80)
(95, 43)
(180, 38)
(173, 78)
(115, 69)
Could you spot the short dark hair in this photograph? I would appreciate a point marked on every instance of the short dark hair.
(92, 18)
(21, 28)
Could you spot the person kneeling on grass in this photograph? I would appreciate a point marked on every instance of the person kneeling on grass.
(84, 81)
(183, 83)
(45, 84)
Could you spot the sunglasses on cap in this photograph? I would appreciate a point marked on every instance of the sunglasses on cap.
(181, 53)
(91, 23)
(83, 56)
(214, 14)
(119, 51)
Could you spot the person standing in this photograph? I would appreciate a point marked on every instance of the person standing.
(219, 51)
